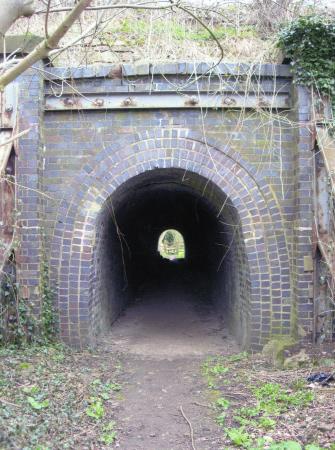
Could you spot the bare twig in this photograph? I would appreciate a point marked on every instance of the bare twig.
(2, 400)
(190, 425)
(145, 5)
(47, 19)
(203, 405)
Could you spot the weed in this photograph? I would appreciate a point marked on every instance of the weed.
(238, 357)
(96, 409)
(286, 445)
(24, 366)
(239, 437)
(19, 324)
(273, 399)
(31, 389)
(313, 447)
(35, 404)
(218, 369)
(260, 416)
(103, 390)
(109, 434)
(213, 370)
(243, 421)
(48, 322)
(221, 419)
(214, 366)
(108, 438)
(248, 412)
(222, 403)
(116, 387)
(267, 423)
(34, 401)
(298, 385)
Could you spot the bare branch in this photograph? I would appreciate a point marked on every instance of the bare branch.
(47, 19)
(146, 5)
(43, 49)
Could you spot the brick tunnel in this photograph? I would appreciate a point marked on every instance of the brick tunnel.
(127, 263)
(231, 225)
(133, 158)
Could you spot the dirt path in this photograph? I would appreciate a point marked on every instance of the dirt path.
(162, 345)
(126, 394)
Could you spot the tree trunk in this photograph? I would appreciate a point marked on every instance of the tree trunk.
(48, 44)
(11, 10)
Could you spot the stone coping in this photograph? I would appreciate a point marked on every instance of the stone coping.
(178, 68)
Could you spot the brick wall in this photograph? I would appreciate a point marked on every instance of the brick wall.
(255, 155)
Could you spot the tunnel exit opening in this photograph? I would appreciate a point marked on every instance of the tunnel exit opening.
(171, 245)
(209, 267)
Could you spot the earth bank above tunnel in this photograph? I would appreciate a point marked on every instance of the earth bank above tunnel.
(208, 152)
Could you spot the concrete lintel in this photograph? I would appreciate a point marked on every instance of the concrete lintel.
(19, 44)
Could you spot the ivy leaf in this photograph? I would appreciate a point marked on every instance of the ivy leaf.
(36, 404)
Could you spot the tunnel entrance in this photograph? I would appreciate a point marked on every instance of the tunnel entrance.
(211, 273)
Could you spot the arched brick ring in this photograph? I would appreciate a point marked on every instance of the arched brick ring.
(139, 153)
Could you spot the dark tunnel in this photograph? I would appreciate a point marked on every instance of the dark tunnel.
(127, 261)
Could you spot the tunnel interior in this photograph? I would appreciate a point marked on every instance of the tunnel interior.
(127, 261)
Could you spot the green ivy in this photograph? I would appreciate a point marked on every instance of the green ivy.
(48, 314)
(309, 42)
(18, 323)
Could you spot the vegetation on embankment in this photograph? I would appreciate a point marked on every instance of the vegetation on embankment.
(309, 42)
(259, 407)
(245, 30)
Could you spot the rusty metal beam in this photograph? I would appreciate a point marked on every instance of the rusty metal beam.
(170, 100)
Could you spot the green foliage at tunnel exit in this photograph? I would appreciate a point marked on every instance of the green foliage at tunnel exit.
(310, 44)
(171, 245)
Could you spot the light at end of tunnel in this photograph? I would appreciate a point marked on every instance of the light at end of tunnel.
(171, 245)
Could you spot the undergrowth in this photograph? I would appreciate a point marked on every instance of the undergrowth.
(250, 416)
(52, 397)
(19, 322)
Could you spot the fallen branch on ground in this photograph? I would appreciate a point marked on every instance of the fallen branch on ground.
(190, 425)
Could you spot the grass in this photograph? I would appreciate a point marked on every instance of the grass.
(215, 367)
(135, 32)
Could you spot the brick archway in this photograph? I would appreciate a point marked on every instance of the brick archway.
(262, 230)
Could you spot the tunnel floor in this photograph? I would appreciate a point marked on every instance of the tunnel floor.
(134, 241)
(170, 321)
(162, 339)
